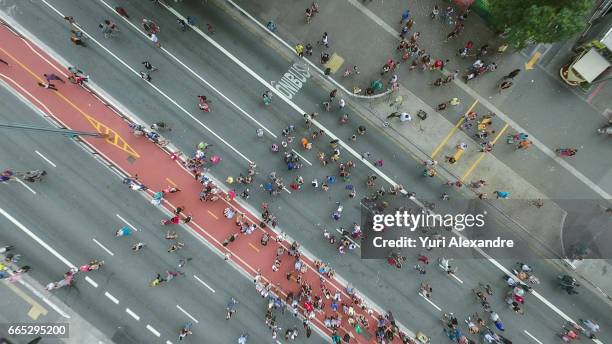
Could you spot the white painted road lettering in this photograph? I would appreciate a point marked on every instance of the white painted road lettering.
(292, 81)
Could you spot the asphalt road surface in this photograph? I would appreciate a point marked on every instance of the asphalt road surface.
(390, 288)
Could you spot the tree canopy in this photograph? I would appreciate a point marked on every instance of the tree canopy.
(539, 21)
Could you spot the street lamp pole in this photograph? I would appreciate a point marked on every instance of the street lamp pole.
(66, 132)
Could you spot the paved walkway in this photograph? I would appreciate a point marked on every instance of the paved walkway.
(81, 110)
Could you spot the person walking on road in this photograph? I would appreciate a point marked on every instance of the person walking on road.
(405, 16)
(148, 66)
(47, 85)
(153, 37)
(171, 221)
(52, 76)
(231, 308)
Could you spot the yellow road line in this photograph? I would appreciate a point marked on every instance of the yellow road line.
(253, 247)
(36, 310)
(482, 155)
(171, 182)
(335, 62)
(213, 215)
(450, 134)
(95, 123)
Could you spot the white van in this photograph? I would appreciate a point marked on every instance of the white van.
(586, 67)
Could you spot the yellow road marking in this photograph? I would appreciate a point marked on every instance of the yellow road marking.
(113, 137)
(335, 62)
(36, 310)
(533, 60)
(171, 182)
(482, 155)
(450, 134)
(253, 247)
(34, 313)
(213, 215)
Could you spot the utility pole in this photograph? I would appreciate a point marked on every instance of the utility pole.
(66, 132)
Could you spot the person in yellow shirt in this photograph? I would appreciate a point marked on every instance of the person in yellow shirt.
(299, 49)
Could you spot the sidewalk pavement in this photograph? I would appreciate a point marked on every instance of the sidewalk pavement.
(419, 137)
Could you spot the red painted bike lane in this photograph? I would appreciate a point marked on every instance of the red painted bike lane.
(78, 109)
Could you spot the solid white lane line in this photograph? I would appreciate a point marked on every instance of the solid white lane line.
(300, 155)
(102, 246)
(44, 157)
(457, 278)
(25, 185)
(36, 238)
(92, 282)
(204, 283)
(195, 119)
(187, 314)
(127, 223)
(154, 331)
(430, 302)
(111, 297)
(134, 315)
(532, 337)
(374, 17)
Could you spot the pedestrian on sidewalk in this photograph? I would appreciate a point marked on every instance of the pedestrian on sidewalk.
(324, 58)
(324, 40)
(299, 49)
(47, 85)
(505, 85)
(308, 51)
(405, 16)
(512, 74)
(502, 194)
(6, 63)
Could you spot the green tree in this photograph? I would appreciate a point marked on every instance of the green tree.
(539, 21)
